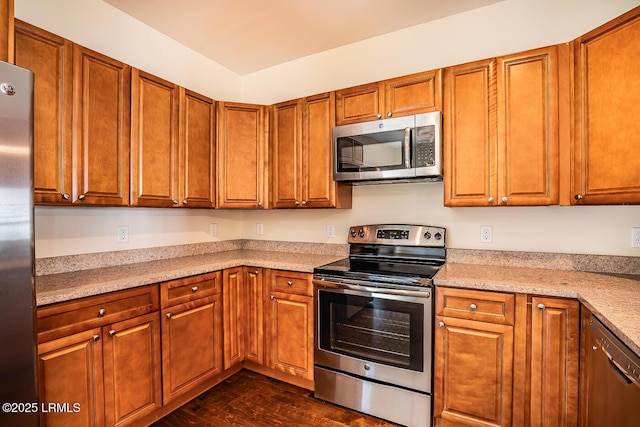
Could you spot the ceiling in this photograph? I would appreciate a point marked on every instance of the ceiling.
(246, 36)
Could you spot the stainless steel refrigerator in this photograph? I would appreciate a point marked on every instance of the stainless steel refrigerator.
(18, 350)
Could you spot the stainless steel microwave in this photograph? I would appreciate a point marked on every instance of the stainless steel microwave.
(401, 148)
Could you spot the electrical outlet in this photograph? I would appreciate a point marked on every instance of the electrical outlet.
(331, 230)
(123, 234)
(259, 228)
(213, 229)
(635, 237)
(486, 234)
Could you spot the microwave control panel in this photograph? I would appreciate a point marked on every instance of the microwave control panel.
(425, 146)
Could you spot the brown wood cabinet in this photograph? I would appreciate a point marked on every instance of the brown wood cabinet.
(473, 357)
(103, 353)
(290, 324)
(101, 123)
(254, 303)
(51, 59)
(301, 155)
(191, 332)
(606, 164)
(233, 303)
(154, 141)
(412, 94)
(501, 144)
(241, 155)
(6, 31)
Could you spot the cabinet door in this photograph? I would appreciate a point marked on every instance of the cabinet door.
(360, 103)
(197, 150)
(50, 59)
(6, 31)
(191, 345)
(154, 141)
(132, 371)
(473, 375)
(470, 134)
(607, 88)
(233, 316)
(241, 156)
(554, 361)
(254, 303)
(286, 136)
(413, 94)
(70, 371)
(290, 338)
(101, 122)
(528, 128)
(319, 190)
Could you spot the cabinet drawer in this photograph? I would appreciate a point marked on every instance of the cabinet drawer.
(190, 288)
(74, 316)
(483, 306)
(291, 282)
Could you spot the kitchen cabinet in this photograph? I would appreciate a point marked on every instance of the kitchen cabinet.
(101, 124)
(412, 94)
(302, 153)
(6, 31)
(191, 332)
(51, 59)
(501, 119)
(233, 303)
(290, 325)
(241, 155)
(154, 141)
(473, 357)
(103, 353)
(254, 303)
(607, 87)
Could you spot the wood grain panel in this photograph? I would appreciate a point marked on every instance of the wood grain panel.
(233, 316)
(286, 137)
(413, 94)
(255, 322)
(6, 31)
(359, 103)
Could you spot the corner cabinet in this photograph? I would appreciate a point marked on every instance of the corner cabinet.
(242, 155)
(606, 164)
(501, 119)
(301, 152)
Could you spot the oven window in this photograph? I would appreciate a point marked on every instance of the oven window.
(373, 329)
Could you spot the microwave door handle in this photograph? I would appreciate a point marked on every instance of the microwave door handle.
(407, 148)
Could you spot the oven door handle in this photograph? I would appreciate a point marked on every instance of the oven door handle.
(374, 289)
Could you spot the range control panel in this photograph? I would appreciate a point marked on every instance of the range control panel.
(398, 234)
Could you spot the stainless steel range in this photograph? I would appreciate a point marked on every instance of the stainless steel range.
(374, 314)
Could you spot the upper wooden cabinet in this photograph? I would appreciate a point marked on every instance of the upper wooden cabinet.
(154, 141)
(101, 121)
(241, 155)
(606, 164)
(501, 131)
(51, 59)
(412, 94)
(301, 155)
(6, 31)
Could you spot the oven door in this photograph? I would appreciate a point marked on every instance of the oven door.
(378, 335)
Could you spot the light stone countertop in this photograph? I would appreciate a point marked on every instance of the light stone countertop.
(614, 299)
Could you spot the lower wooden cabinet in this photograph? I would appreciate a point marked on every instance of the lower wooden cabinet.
(505, 359)
(254, 324)
(233, 316)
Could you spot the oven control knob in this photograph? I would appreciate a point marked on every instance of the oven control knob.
(427, 235)
(353, 233)
(437, 236)
(361, 233)
(367, 367)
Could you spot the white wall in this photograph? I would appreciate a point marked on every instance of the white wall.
(508, 26)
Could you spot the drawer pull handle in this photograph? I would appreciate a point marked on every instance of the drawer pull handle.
(441, 324)
(289, 283)
(473, 307)
(95, 337)
(112, 332)
(541, 306)
(102, 312)
(168, 315)
(194, 289)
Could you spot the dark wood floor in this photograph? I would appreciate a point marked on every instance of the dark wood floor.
(251, 399)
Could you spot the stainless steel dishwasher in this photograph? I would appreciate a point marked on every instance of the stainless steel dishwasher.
(613, 395)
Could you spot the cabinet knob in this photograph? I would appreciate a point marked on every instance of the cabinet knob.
(259, 203)
(194, 289)
(102, 312)
(112, 332)
(297, 203)
(184, 202)
(304, 202)
(289, 282)
(389, 114)
(81, 197)
(379, 116)
(256, 272)
(541, 306)
(504, 199)
(441, 324)
(473, 307)
(66, 196)
(272, 297)
(578, 196)
(168, 315)
(367, 367)
(95, 337)
(175, 202)
(490, 199)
